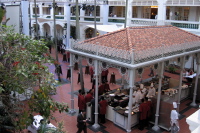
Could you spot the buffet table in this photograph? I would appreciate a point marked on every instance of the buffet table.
(121, 118)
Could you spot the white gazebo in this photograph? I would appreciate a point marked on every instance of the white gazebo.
(134, 48)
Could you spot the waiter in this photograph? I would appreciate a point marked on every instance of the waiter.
(103, 105)
(89, 96)
(174, 119)
(81, 101)
(151, 91)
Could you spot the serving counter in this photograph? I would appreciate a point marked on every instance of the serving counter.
(121, 118)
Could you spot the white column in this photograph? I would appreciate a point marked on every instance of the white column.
(51, 12)
(192, 13)
(96, 125)
(104, 14)
(40, 9)
(131, 86)
(180, 82)
(71, 84)
(129, 12)
(172, 11)
(160, 74)
(161, 12)
(139, 12)
(31, 9)
(67, 17)
(41, 30)
(25, 17)
(82, 14)
(51, 29)
(196, 81)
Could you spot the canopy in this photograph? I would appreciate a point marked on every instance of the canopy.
(106, 28)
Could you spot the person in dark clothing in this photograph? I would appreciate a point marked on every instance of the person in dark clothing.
(89, 96)
(103, 105)
(149, 114)
(104, 75)
(81, 101)
(143, 110)
(151, 74)
(81, 122)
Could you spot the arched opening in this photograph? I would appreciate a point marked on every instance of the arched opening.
(89, 33)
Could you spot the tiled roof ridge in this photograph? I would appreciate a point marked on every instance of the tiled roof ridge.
(129, 38)
(187, 32)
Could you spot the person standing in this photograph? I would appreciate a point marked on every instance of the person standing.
(103, 106)
(101, 89)
(174, 119)
(89, 96)
(81, 122)
(91, 74)
(81, 101)
(104, 75)
(143, 110)
(151, 74)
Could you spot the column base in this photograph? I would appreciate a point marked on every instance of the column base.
(72, 111)
(156, 128)
(96, 127)
(193, 104)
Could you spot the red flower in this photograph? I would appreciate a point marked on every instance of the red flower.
(16, 63)
(35, 73)
(37, 63)
(23, 48)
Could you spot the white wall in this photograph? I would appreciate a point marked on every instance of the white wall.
(13, 12)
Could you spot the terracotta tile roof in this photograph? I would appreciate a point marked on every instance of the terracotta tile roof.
(144, 38)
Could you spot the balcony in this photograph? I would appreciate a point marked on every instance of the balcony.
(153, 22)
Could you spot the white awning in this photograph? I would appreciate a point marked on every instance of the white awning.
(106, 28)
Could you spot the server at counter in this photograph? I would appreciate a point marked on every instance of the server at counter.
(143, 110)
(89, 96)
(103, 105)
(137, 96)
(151, 91)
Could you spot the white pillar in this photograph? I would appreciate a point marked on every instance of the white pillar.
(25, 17)
(160, 74)
(104, 14)
(96, 125)
(82, 14)
(129, 12)
(40, 10)
(31, 10)
(131, 86)
(192, 13)
(67, 17)
(139, 12)
(161, 12)
(180, 82)
(196, 81)
(172, 11)
(71, 85)
(42, 30)
(51, 12)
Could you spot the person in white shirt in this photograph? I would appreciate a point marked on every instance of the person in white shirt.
(151, 92)
(137, 96)
(174, 119)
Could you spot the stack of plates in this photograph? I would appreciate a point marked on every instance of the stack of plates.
(126, 111)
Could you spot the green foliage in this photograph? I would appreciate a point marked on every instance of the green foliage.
(172, 69)
(22, 66)
(2, 13)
